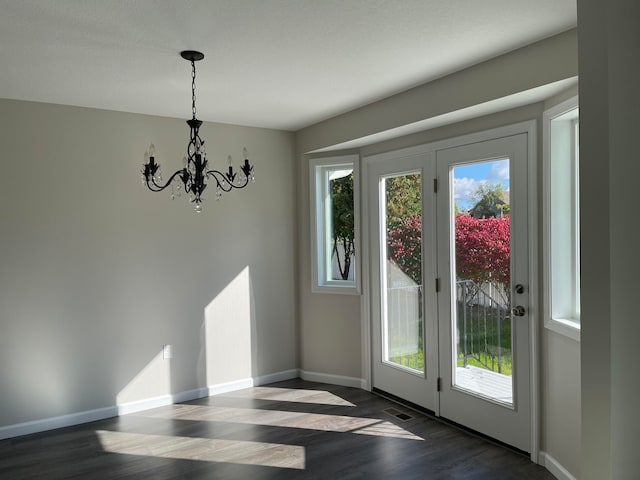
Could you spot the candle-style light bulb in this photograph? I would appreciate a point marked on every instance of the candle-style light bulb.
(245, 153)
(230, 161)
(152, 150)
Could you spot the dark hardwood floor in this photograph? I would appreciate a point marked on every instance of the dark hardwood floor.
(289, 430)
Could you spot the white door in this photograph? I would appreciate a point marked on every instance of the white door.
(484, 327)
(450, 324)
(404, 315)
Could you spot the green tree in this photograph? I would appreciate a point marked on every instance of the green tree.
(404, 199)
(491, 201)
(343, 222)
(404, 223)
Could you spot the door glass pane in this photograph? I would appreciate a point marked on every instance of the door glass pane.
(402, 272)
(481, 320)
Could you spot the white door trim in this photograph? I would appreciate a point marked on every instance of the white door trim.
(528, 127)
(533, 287)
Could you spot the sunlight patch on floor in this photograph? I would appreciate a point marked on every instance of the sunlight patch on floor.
(204, 449)
(279, 418)
(387, 429)
(320, 397)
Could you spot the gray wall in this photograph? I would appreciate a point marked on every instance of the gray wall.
(331, 330)
(97, 273)
(609, 45)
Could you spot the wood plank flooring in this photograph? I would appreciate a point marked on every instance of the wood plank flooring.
(289, 430)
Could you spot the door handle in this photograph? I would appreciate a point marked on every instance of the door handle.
(518, 311)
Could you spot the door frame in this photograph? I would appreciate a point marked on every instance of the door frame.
(528, 127)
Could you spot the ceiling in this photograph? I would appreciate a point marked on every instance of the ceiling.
(282, 64)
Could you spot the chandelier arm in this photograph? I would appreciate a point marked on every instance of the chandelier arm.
(226, 185)
(221, 181)
(159, 188)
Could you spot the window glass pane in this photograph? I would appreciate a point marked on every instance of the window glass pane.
(341, 238)
(403, 294)
(563, 214)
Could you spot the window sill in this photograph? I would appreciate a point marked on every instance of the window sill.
(568, 328)
(344, 289)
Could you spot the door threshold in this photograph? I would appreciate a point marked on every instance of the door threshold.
(403, 402)
(431, 414)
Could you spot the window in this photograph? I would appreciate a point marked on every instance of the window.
(562, 219)
(335, 222)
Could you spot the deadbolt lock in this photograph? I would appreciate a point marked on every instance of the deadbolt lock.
(519, 288)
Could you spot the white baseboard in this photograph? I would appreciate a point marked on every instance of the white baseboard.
(253, 381)
(276, 377)
(78, 418)
(36, 426)
(229, 386)
(332, 379)
(161, 401)
(555, 467)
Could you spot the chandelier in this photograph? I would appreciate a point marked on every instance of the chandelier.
(194, 177)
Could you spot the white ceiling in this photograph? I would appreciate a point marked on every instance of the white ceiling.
(281, 64)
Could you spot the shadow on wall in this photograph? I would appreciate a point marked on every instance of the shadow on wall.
(227, 353)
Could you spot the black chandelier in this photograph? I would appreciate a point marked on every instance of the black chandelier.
(194, 177)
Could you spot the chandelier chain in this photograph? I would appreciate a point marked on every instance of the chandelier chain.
(193, 88)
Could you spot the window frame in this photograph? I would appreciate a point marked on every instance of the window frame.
(321, 257)
(563, 319)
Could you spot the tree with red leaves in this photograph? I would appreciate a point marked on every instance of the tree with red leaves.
(483, 249)
(404, 246)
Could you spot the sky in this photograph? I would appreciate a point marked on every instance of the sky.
(467, 178)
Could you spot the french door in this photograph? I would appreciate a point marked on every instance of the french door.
(449, 280)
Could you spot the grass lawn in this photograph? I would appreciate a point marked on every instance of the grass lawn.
(482, 343)
(482, 347)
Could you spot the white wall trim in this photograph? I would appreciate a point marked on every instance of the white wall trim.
(276, 377)
(568, 328)
(365, 298)
(232, 386)
(42, 425)
(555, 467)
(534, 354)
(333, 379)
(458, 141)
(317, 215)
(160, 401)
(36, 426)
